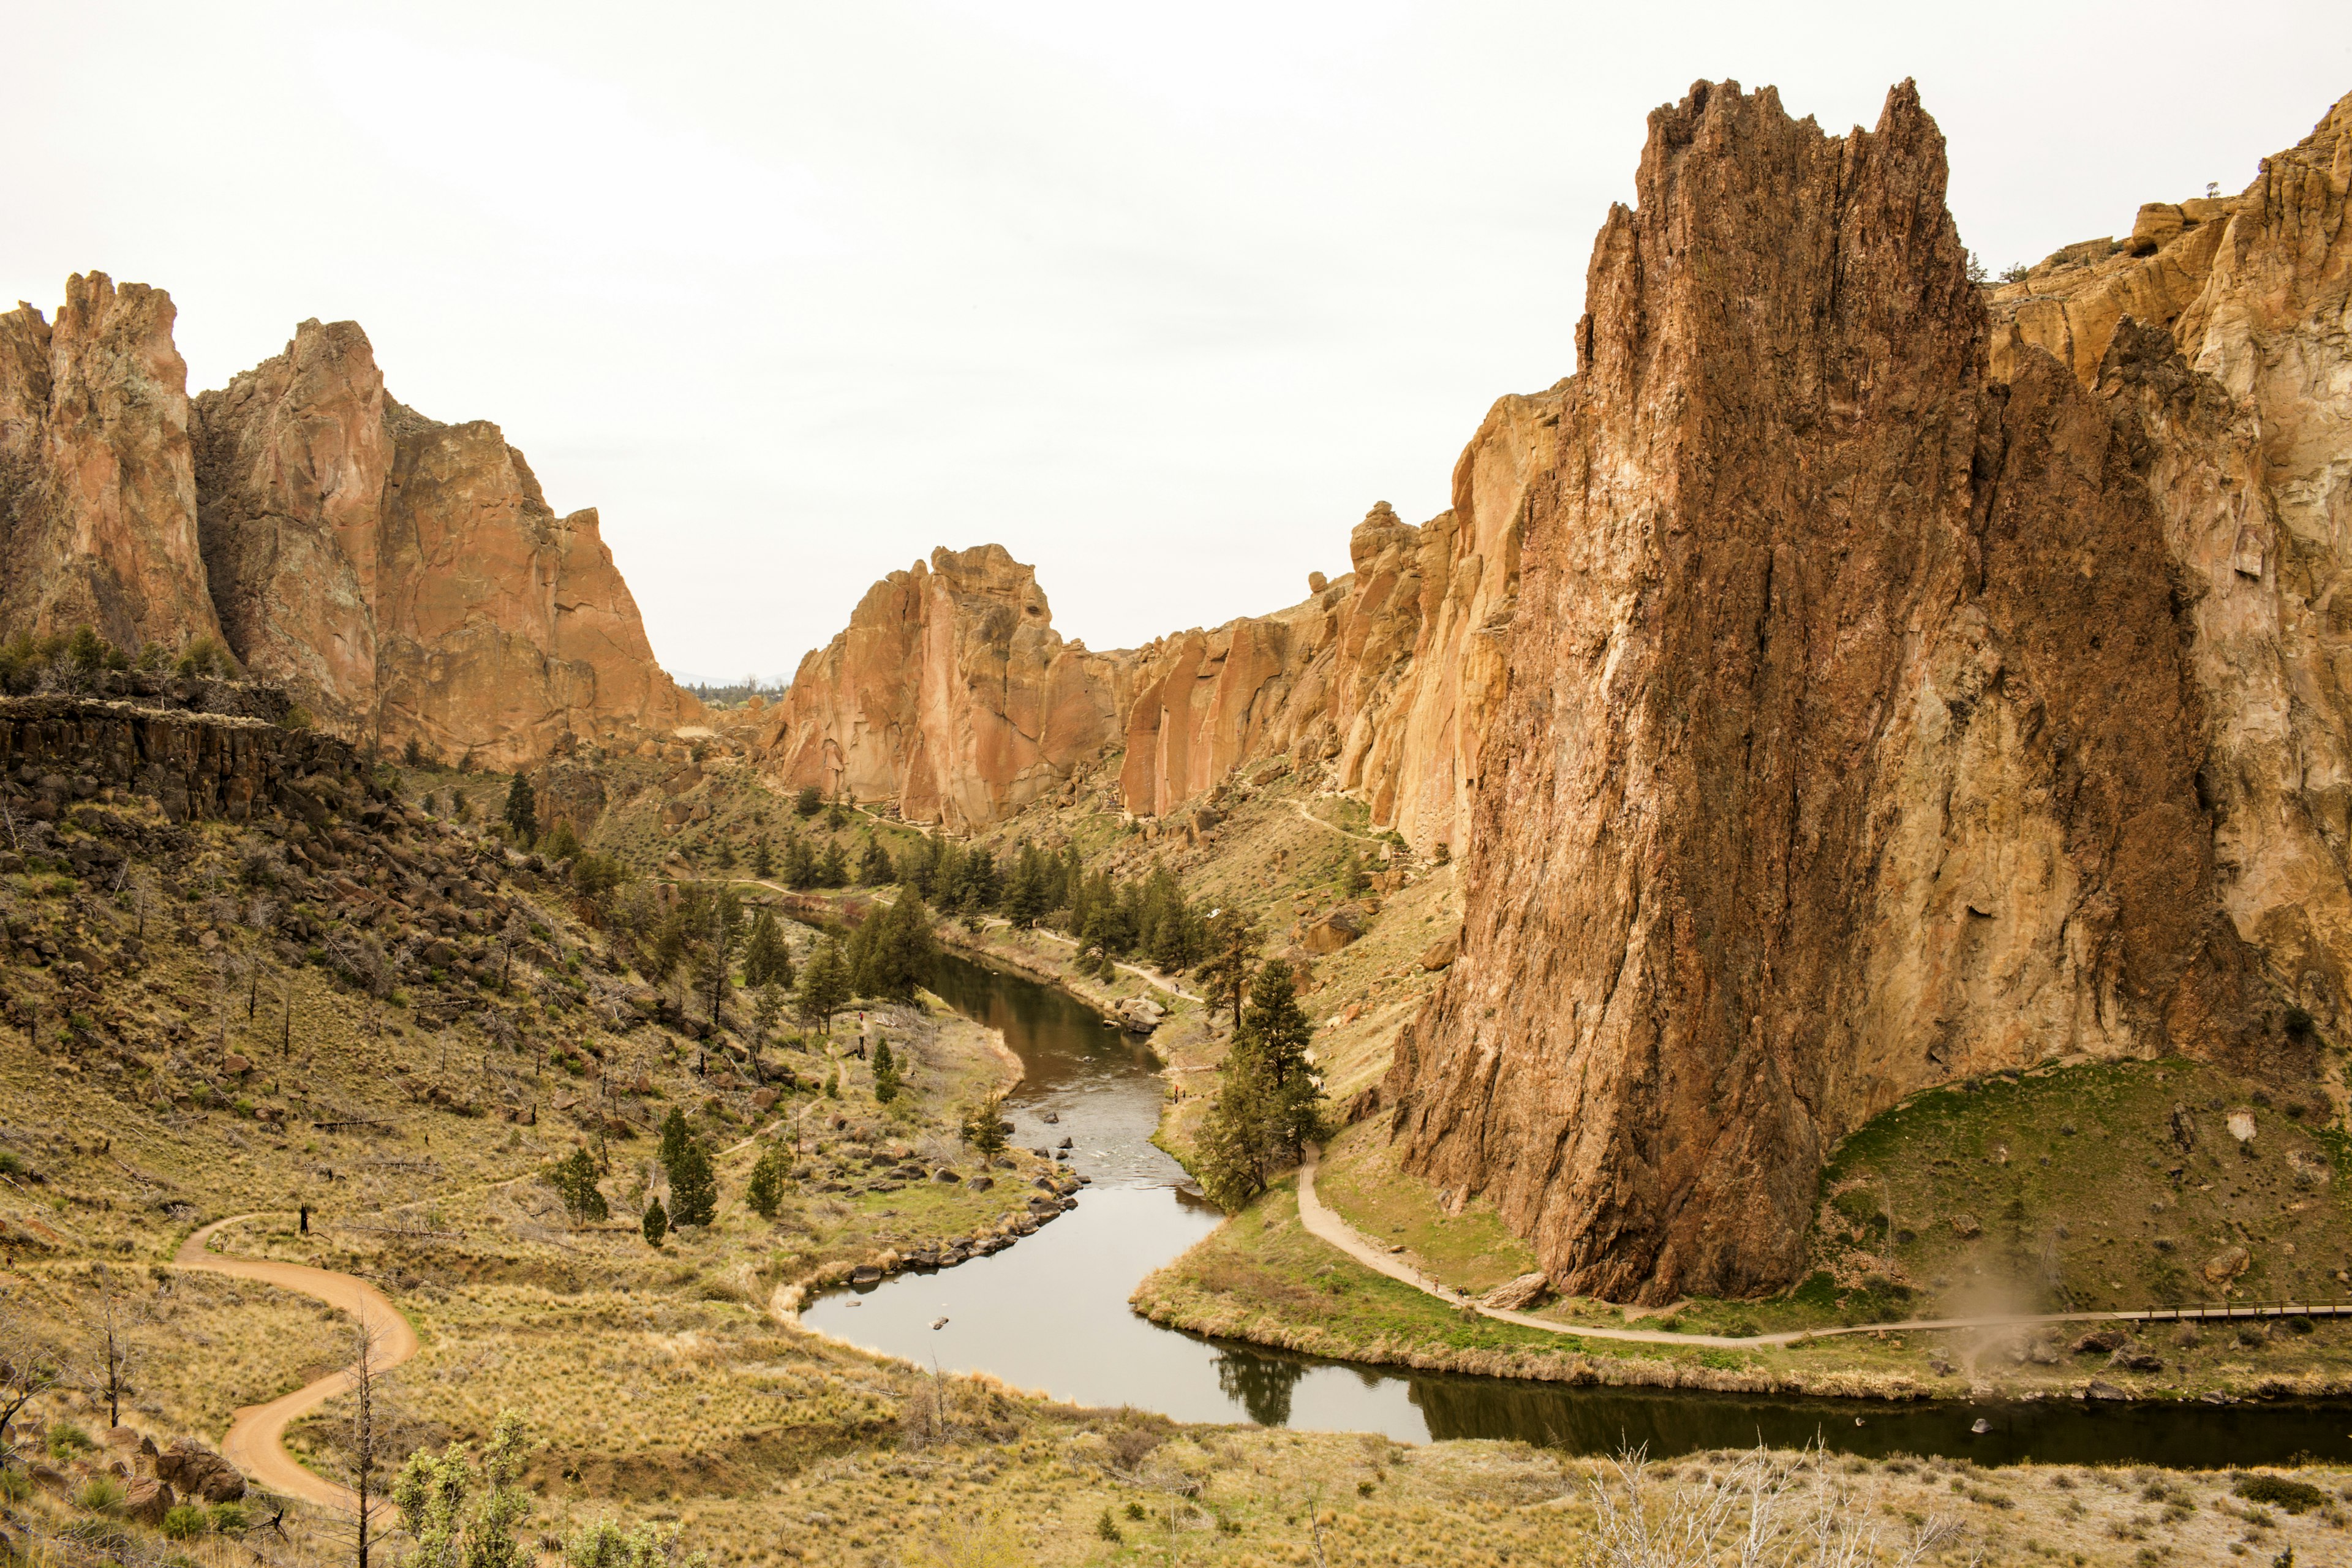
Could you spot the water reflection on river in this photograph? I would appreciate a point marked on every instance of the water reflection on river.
(1051, 1314)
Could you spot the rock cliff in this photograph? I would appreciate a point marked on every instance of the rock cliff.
(408, 577)
(97, 484)
(950, 695)
(402, 579)
(1890, 699)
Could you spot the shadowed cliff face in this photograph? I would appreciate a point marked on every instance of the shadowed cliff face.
(1854, 732)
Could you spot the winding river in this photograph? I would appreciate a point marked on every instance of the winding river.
(1051, 1314)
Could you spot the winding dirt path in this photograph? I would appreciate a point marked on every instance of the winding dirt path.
(1322, 1222)
(255, 1443)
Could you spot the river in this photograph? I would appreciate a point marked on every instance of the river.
(1050, 1314)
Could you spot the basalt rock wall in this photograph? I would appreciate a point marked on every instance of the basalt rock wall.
(1892, 699)
(60, 750)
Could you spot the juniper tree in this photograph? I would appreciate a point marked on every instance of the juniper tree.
(523, 812)
(574, 1178)
(886, 1073)
(693, 1189)
(765, 1190)
(655, 1224)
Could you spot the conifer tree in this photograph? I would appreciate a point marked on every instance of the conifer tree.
(826, 985)
(886, 1073)
(693, 1189)
(523, 812)
(574, 1181)
(655, 1224)
(832, 866)
(765, 1190)
(1233, 943)
(763, 864)
(874, 867)
(1268, 1105)
(675, 1137)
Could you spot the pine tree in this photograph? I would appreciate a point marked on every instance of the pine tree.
(766, 960)
(891, 951)
(1233, 940)
(983, 1128)
(693, 1189)
(886, 1073)
(809, 801)
(1268, 1105)
(832, 866)
(523, 812)
(574, 1178)
(655, 1224)
(800, 863)
(1025, 902)
(826, 985)
(675, 1137)
(874, 867)
(763, 864)
(765, 1190)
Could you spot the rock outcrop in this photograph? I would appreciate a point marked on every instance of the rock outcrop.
(950, 695)
(402, 579)
(406, 578)
(1861, 728)
(97, 522)
(55, 750)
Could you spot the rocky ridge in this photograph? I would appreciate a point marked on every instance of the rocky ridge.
(1892, 700)
(402, 579)
(951, 696)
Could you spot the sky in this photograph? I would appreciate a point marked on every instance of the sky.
(1162, 298)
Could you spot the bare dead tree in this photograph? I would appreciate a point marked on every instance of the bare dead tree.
(367, 1441)
(113, 1352)
(29, 1366)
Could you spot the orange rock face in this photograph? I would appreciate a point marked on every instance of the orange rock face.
(949, 694)
(1869, 676)
(97, 481)
(407, 579)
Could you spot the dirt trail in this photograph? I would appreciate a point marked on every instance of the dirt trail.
(255, 1443)
(1322, 1223)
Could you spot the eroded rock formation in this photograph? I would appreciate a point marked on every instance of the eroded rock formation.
(407, 577)
(1890, 699)
(950, 695)
(1382, 682)
(97, 522)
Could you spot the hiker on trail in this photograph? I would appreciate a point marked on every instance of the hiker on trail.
(306, 1219)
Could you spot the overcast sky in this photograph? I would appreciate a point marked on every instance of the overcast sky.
(1163, 298)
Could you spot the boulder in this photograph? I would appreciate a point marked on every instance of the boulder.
(2098, 1390)
(199, 1473)
(1140, 1014)
(147, 1500)
(1441, 952)
(1965, 1226)
(980, 1184)
(2100, 1342)
(1517, 1294)
(2227, 1265)
(1334, 931)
